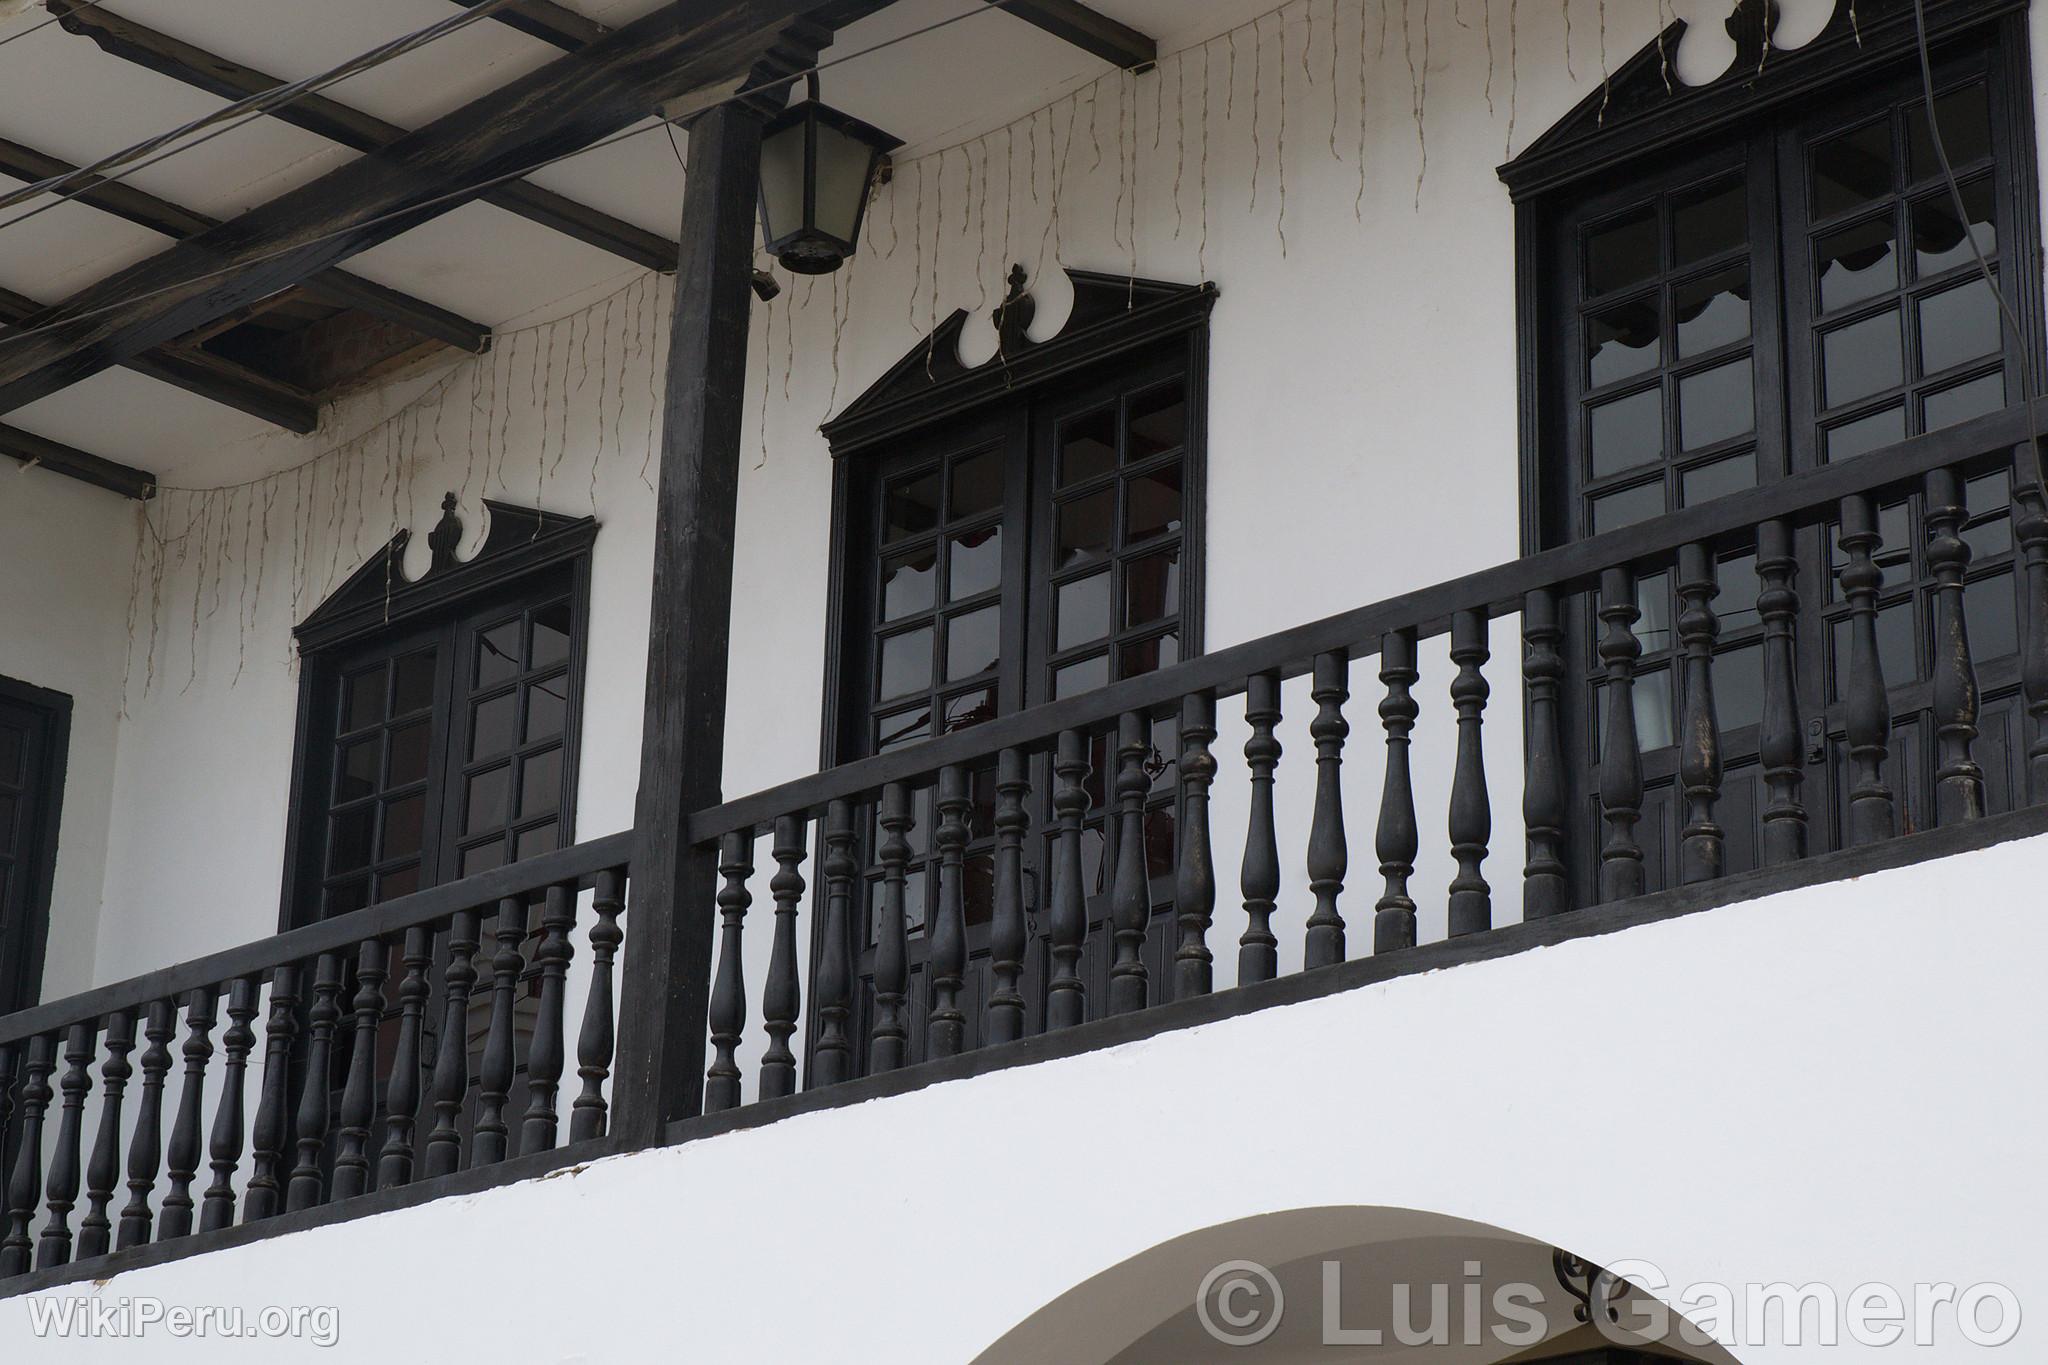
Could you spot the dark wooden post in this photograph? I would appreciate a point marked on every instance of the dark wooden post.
(1008, 936)
(1700, 850)
(945, 1031)
(95, 1233)
(1869, 720)
(1397, 839)
(728, 1008)
(269, 1164)
(1471, 816)
(832, 1059)
(1258, 876)
(1546, 890)
(1329, 854)
(217, 1207)
(1778, 740)
(53, 1247)
(1195, 887)
(1958, 779)
(1621, 761)
(783, 1000)
(594, 1043)
(665, 995)
(1067, 921)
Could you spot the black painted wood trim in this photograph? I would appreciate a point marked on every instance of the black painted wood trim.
(74, 463)
(42, 867)
(1088, 29)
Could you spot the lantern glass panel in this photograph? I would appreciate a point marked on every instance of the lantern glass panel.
(843, 166)
(782, 181)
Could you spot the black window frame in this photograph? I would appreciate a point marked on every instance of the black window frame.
(528, 559)
(24, 944)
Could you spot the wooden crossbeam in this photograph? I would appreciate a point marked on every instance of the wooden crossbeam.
(547, 21)
(198, 372)
(337, 122)
(1088, 29)
(160, 215)
(691, 52)
(59, 458)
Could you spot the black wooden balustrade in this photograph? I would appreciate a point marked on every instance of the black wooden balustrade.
(333, 1063)
(357, 1030)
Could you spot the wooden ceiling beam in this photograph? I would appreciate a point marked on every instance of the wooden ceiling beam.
(1088, 29)
(687, 55)
(337, 122)
(199, 372)
(551, 23)
(57, 457)
(160, 215)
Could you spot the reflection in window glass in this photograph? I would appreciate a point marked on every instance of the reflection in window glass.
(1083, 613)
(1864, 434)
(1939, 242)
(1989, 617)
(1965, 119)
(1959, 404)
(975, 563)
(1627, 432)
(1852, 169)
(1629, 506)
(1655, 727)
(1957, 325)
(1622, 252)
(1712, 311)
(1622, 341)
(1716, 405)
(906, 663)
(1862, 358)
(1718, 479)
(973, 643)
(1710, 223)
(1895, 655)
(1739, 687)
(1857, 263)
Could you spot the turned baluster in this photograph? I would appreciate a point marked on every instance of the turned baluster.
(103, 1168)
(782, 999)
(547, 1054)
(588, 1115)
(307, 1184)
(53, 1247)
(1397, 838)
(1546, 890)
(1869, 718)
(25, 1188)
(402, 1089)
(1194, 894)
(9, 1060)
(1131, 893)
(1471, 821)
(1067, 920)
(728, 1010)
(1621, 761)
(946, 1024)
(889, 1039)
(1701, 856)
(145, 1145)
(359, 1090)
(181, 1158)
(267, 1161)
(2031, 527)
(1006, 925)
(1328, 852)
(224, 1147)
(832, 1058)
(1958, 779)
(451, 1050)
(495, 1068)
(1258, 876)
(1780, 747)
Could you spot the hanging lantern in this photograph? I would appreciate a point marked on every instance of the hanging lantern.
(817, 166)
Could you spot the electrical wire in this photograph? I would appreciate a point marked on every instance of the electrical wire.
(39, 27)
(245, 110)
(1955, 194)
(16, 336)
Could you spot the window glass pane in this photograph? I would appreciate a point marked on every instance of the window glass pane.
(401, 881)
(1627, 432)
(910, 506)
(1736, 590)
(1152, 503)
(1716, 404)
(1719, 479)
(408, 762)
(1149, 656)
(547, 706)
(1083, 611)
(1628, 507)
(1959, 404)
(362, 698)
(1739, 687)
(1712, 310)
(355, 769)
(904, 727)
(348, 845)
(483, 857)
(1622, 252)
(1857, 263)
(970, 708)
(1084, 528)
(404, 826)
(491, 726)
(977, 485)
(1990, 617)
(550, 643)
(978, 889)
(1895, 655)
(906, 663)
(975, 563)
(973, 642)
(1088, 445)
(412, 686)
(1081, 677)
(353, 895)
(497, 653)
(1852, 169)
(1884, 428)
(1653, 706)
(1957, 325)
(1939, 242)
(1653, 612)
(1965, 119)
(1151, 588)
(907, 582)
(1862, 358)
(540, 783)
(1622, 341)
(1989, 497)
(486, 801)
(1159, 421)
(540, 839)
(1710, 223)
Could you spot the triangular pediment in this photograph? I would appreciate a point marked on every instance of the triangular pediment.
(1111, 314)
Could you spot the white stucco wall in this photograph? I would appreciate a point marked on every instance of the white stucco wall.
(1810, 1087)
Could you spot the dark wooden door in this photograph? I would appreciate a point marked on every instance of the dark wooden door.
(34, 732)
